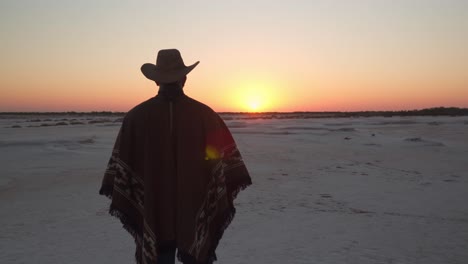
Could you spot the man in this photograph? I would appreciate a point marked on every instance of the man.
(174, 171)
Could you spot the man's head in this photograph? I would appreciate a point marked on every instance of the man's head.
(180, 83)
(169, 68)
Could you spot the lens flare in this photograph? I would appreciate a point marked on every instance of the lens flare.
(211, 153)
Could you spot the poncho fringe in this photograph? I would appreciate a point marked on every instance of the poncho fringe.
(130, 227)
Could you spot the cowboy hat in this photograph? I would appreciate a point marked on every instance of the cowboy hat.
(169, 67)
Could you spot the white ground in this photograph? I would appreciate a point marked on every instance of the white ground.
(343, 190)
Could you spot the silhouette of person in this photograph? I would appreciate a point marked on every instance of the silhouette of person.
(174, 171)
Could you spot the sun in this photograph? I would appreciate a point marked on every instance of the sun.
(254, 103)
(255, 94)
(253, 99)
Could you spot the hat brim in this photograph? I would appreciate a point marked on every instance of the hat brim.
(153, 73)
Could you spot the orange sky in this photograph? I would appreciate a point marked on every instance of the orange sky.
(254, 56)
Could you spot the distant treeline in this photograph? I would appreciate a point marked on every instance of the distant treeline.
(71, 113)
(435, 111)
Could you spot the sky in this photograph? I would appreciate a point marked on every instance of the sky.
(255, 55)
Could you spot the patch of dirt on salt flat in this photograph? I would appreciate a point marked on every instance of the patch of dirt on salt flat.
(87, 141)
(424, 142)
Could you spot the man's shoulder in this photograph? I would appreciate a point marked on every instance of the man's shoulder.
(205, 113)
(199, 105)
(138, 110)
(190, 105)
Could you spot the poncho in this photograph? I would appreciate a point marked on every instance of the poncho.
(172, 177)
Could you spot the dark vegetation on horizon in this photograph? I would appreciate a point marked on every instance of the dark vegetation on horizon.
(436, 111)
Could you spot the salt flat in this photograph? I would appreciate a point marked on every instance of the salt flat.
(325, 190)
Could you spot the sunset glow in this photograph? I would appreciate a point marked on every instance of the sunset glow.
(341, 55)
(255, 101)
(255, 96)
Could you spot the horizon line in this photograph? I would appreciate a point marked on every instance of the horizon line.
(439, 108)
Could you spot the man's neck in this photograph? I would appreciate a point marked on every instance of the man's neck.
(170, 91)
